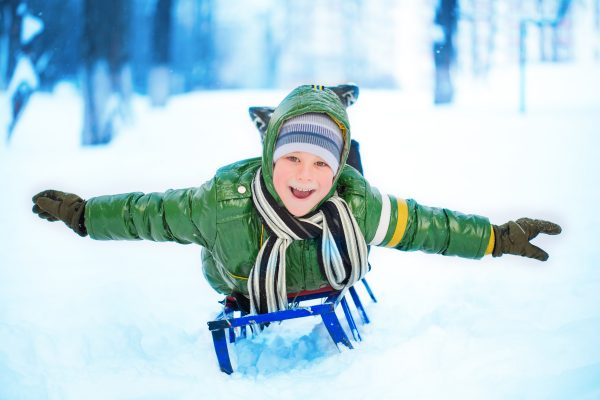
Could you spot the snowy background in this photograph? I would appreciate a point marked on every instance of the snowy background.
(127, 320)
(84, 319)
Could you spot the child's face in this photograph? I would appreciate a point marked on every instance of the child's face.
(302, 180)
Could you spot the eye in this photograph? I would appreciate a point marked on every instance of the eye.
(321, 164)
(292, 158)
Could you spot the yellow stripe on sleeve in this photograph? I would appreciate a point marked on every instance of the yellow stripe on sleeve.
(490, 246)
(401, 223)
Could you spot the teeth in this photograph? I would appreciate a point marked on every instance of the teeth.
(302, 190)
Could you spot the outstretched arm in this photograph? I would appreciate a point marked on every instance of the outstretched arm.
(407, 225)
(183, 216)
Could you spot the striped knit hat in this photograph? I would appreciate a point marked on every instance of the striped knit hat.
(311, 133)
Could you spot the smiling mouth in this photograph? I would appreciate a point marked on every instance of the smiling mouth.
(300, 193)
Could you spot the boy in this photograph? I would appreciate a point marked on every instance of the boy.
(297, 219)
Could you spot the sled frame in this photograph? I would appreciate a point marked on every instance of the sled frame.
(226, 324)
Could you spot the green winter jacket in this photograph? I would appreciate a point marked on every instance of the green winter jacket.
(220, 215)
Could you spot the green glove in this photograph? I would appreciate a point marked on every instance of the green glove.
(53, 205)
(513, 237)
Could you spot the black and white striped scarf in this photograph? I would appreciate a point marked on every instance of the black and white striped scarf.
(342, 251)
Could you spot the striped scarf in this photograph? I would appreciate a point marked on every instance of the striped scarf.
(342, 251)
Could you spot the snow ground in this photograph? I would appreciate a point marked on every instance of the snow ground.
(127, 320)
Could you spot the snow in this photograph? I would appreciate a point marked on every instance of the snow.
(32, 26)
(123, 320)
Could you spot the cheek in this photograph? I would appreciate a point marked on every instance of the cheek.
(279, 179)
(325, 182)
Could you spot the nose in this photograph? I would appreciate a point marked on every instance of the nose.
(304, 172)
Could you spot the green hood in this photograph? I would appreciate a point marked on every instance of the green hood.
(305, 99)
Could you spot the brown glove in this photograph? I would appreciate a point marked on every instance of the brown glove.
(54, 205)
(513, 237)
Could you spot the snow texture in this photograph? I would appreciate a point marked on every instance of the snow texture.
(84, 319)
(32, 26)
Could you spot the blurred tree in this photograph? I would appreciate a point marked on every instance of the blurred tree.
(10, 39)
(273, 47)
(106, 75)
(56, 53)
(193, 56)
(481, 22)
(159, 76)
(204, 72)
(21, 59)
(444, 52)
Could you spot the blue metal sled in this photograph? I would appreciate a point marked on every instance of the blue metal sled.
(228, 326)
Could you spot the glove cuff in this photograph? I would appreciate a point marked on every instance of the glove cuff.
(497, 252)
(78, 221)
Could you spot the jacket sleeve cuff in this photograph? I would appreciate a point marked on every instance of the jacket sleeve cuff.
(490, 246)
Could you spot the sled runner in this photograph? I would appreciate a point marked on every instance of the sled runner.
(232, 323)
